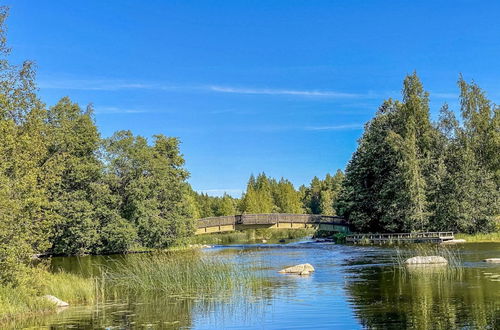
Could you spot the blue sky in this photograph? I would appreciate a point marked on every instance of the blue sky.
(249, 86)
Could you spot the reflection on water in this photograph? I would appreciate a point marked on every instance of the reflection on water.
(353, 287)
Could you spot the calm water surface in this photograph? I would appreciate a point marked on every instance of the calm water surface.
(353, 287)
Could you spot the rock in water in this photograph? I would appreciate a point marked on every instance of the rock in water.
(454, 241)
(426, 260)
(58, 302)
(493, 260)
(302, 269)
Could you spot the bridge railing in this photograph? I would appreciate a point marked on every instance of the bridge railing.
(217, 221)
(270, 218)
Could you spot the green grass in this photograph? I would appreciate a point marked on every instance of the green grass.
(251, 236)
(174, 274)
(16, 302)
(181, 273)
(472, 238)
(28, 299)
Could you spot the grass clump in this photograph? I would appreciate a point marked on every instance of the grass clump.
(27, 298)
(480, 237)
(174, 274)
(21, 301)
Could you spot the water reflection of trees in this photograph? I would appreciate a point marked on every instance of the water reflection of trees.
(425, 299)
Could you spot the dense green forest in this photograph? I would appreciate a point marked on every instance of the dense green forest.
(66, 190)
(268, 195)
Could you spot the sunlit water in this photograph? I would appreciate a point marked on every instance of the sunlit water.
(353, 287)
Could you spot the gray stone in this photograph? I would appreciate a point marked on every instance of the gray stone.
(56, 301)
(426, 260)
(302, 269)
(454, 241)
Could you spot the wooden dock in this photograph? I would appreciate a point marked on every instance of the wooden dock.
(422, 237)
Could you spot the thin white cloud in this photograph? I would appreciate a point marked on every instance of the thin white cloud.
(335, 127)
(266, 91)
(116, 85)
(117, 110)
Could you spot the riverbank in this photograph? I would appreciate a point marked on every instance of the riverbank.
(477, 238)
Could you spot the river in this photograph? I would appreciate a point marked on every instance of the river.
(353, 287)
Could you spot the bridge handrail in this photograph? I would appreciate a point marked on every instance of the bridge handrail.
(270, 218)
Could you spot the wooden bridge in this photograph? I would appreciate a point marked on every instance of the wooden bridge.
(274, 220)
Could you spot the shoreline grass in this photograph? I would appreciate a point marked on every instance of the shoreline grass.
(179, 273)
(26, 300)
(493, 237)
(185, 274)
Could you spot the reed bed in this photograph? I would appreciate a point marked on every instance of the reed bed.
(183, 274)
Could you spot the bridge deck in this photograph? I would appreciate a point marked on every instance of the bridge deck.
(275, 220)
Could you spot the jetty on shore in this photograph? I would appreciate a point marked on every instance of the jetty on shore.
(423, 237)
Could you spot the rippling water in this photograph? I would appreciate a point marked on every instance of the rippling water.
(353, 287)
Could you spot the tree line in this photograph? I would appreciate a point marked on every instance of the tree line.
(264, 194)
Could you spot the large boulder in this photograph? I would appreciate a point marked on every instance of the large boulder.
(420, 260)
(302, 269)
(493, 260)
(56, 301)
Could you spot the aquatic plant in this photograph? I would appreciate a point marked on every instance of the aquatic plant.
(174, 274)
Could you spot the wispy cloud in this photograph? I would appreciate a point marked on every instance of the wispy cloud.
(116, 85)
(116, 110)
(335, 127)
(267, 91)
